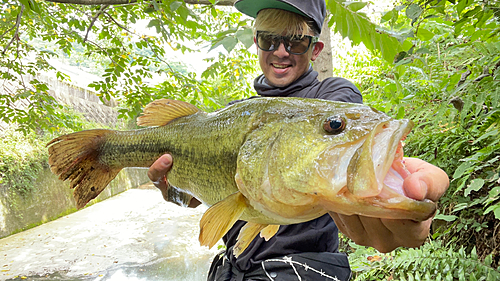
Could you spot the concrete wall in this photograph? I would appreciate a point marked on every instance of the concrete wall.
(53, 198)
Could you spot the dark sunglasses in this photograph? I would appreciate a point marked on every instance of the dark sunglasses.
(296, 45)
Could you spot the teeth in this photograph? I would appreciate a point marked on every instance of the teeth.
(282, 66)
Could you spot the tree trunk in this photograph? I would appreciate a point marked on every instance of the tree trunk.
(324, 63)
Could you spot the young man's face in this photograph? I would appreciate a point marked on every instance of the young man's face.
(282, 68)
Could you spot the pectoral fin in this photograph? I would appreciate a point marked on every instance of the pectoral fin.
(219, 218)
(247, 234)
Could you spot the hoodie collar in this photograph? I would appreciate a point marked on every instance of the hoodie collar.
(266, 90)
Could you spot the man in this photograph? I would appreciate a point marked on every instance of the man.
(286, 35)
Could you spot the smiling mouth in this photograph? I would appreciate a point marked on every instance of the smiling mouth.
(280, 66)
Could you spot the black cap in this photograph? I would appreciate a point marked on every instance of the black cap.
(312, 9)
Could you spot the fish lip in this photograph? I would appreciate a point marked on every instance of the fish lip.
(372, 161)
(395, 156)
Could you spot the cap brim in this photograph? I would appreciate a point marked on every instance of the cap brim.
(252, 7)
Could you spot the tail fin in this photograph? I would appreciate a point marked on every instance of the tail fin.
(75, 157)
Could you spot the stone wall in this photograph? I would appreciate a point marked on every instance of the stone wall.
(80, 98)
(53, 198)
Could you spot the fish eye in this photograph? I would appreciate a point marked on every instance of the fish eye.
(334, 125)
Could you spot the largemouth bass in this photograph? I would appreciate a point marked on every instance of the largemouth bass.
(267, 161)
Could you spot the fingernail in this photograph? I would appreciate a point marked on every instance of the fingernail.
(423, 189)
(167, 161)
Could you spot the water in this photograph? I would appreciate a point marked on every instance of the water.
(132, 236)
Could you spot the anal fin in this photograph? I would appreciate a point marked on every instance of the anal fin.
(219, 218)
(269, 231)
(246, 235)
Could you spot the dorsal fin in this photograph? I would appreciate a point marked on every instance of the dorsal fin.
(161, 112)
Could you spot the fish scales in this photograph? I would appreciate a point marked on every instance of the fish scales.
(187, 140)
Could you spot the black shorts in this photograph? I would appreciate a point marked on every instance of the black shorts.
(309, 266)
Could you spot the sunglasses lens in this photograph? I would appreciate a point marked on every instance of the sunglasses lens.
(296, 45)
(266, 42)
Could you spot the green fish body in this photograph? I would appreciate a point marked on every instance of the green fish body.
(268, 161)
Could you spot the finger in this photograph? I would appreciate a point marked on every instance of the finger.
(425, 181)
(380, 237)
(408, 233)
(160, 168)
(352, 227)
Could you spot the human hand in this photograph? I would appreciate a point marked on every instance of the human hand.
(425, 182)
(157, 173)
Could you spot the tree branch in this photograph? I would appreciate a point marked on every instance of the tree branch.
(16, 34)
(118, 24)
(121, 2)
(101, 10)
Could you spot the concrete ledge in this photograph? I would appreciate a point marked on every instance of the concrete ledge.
(53, 198)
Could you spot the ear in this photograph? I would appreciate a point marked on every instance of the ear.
(255, 42)
(318, 47)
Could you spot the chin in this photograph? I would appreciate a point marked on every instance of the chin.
(279, 82)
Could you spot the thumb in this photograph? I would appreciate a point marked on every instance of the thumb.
(160, 167)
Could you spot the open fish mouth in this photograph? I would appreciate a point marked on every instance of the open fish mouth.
(375, 175)
(378, 158)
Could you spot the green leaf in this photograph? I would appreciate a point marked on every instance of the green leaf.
(423, 50)
(355, 5)
(360, 30)
(460, 207)
(387, 16)
(183, 12)
(414, 11)
(401, 112)
(472, 12)
(461, 6)
(495, 209)
(447, 218)
(154, 23)
(25, 3)
(34, 6)
(486, 135)
(475, 185)
(462, 169)
(406, 60)
(229, 43)
(175, 5)
(494, 192)
(246, 37)
(424, 34)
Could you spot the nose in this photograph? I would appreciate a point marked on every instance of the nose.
(281, 51)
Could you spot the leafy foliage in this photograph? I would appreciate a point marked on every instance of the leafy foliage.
(130, 60)
(23, 157)
(447, 82)
(359, 29)
(433, 261)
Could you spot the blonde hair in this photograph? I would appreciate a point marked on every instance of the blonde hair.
(283, 22)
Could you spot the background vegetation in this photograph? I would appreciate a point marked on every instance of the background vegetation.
(436, 62)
